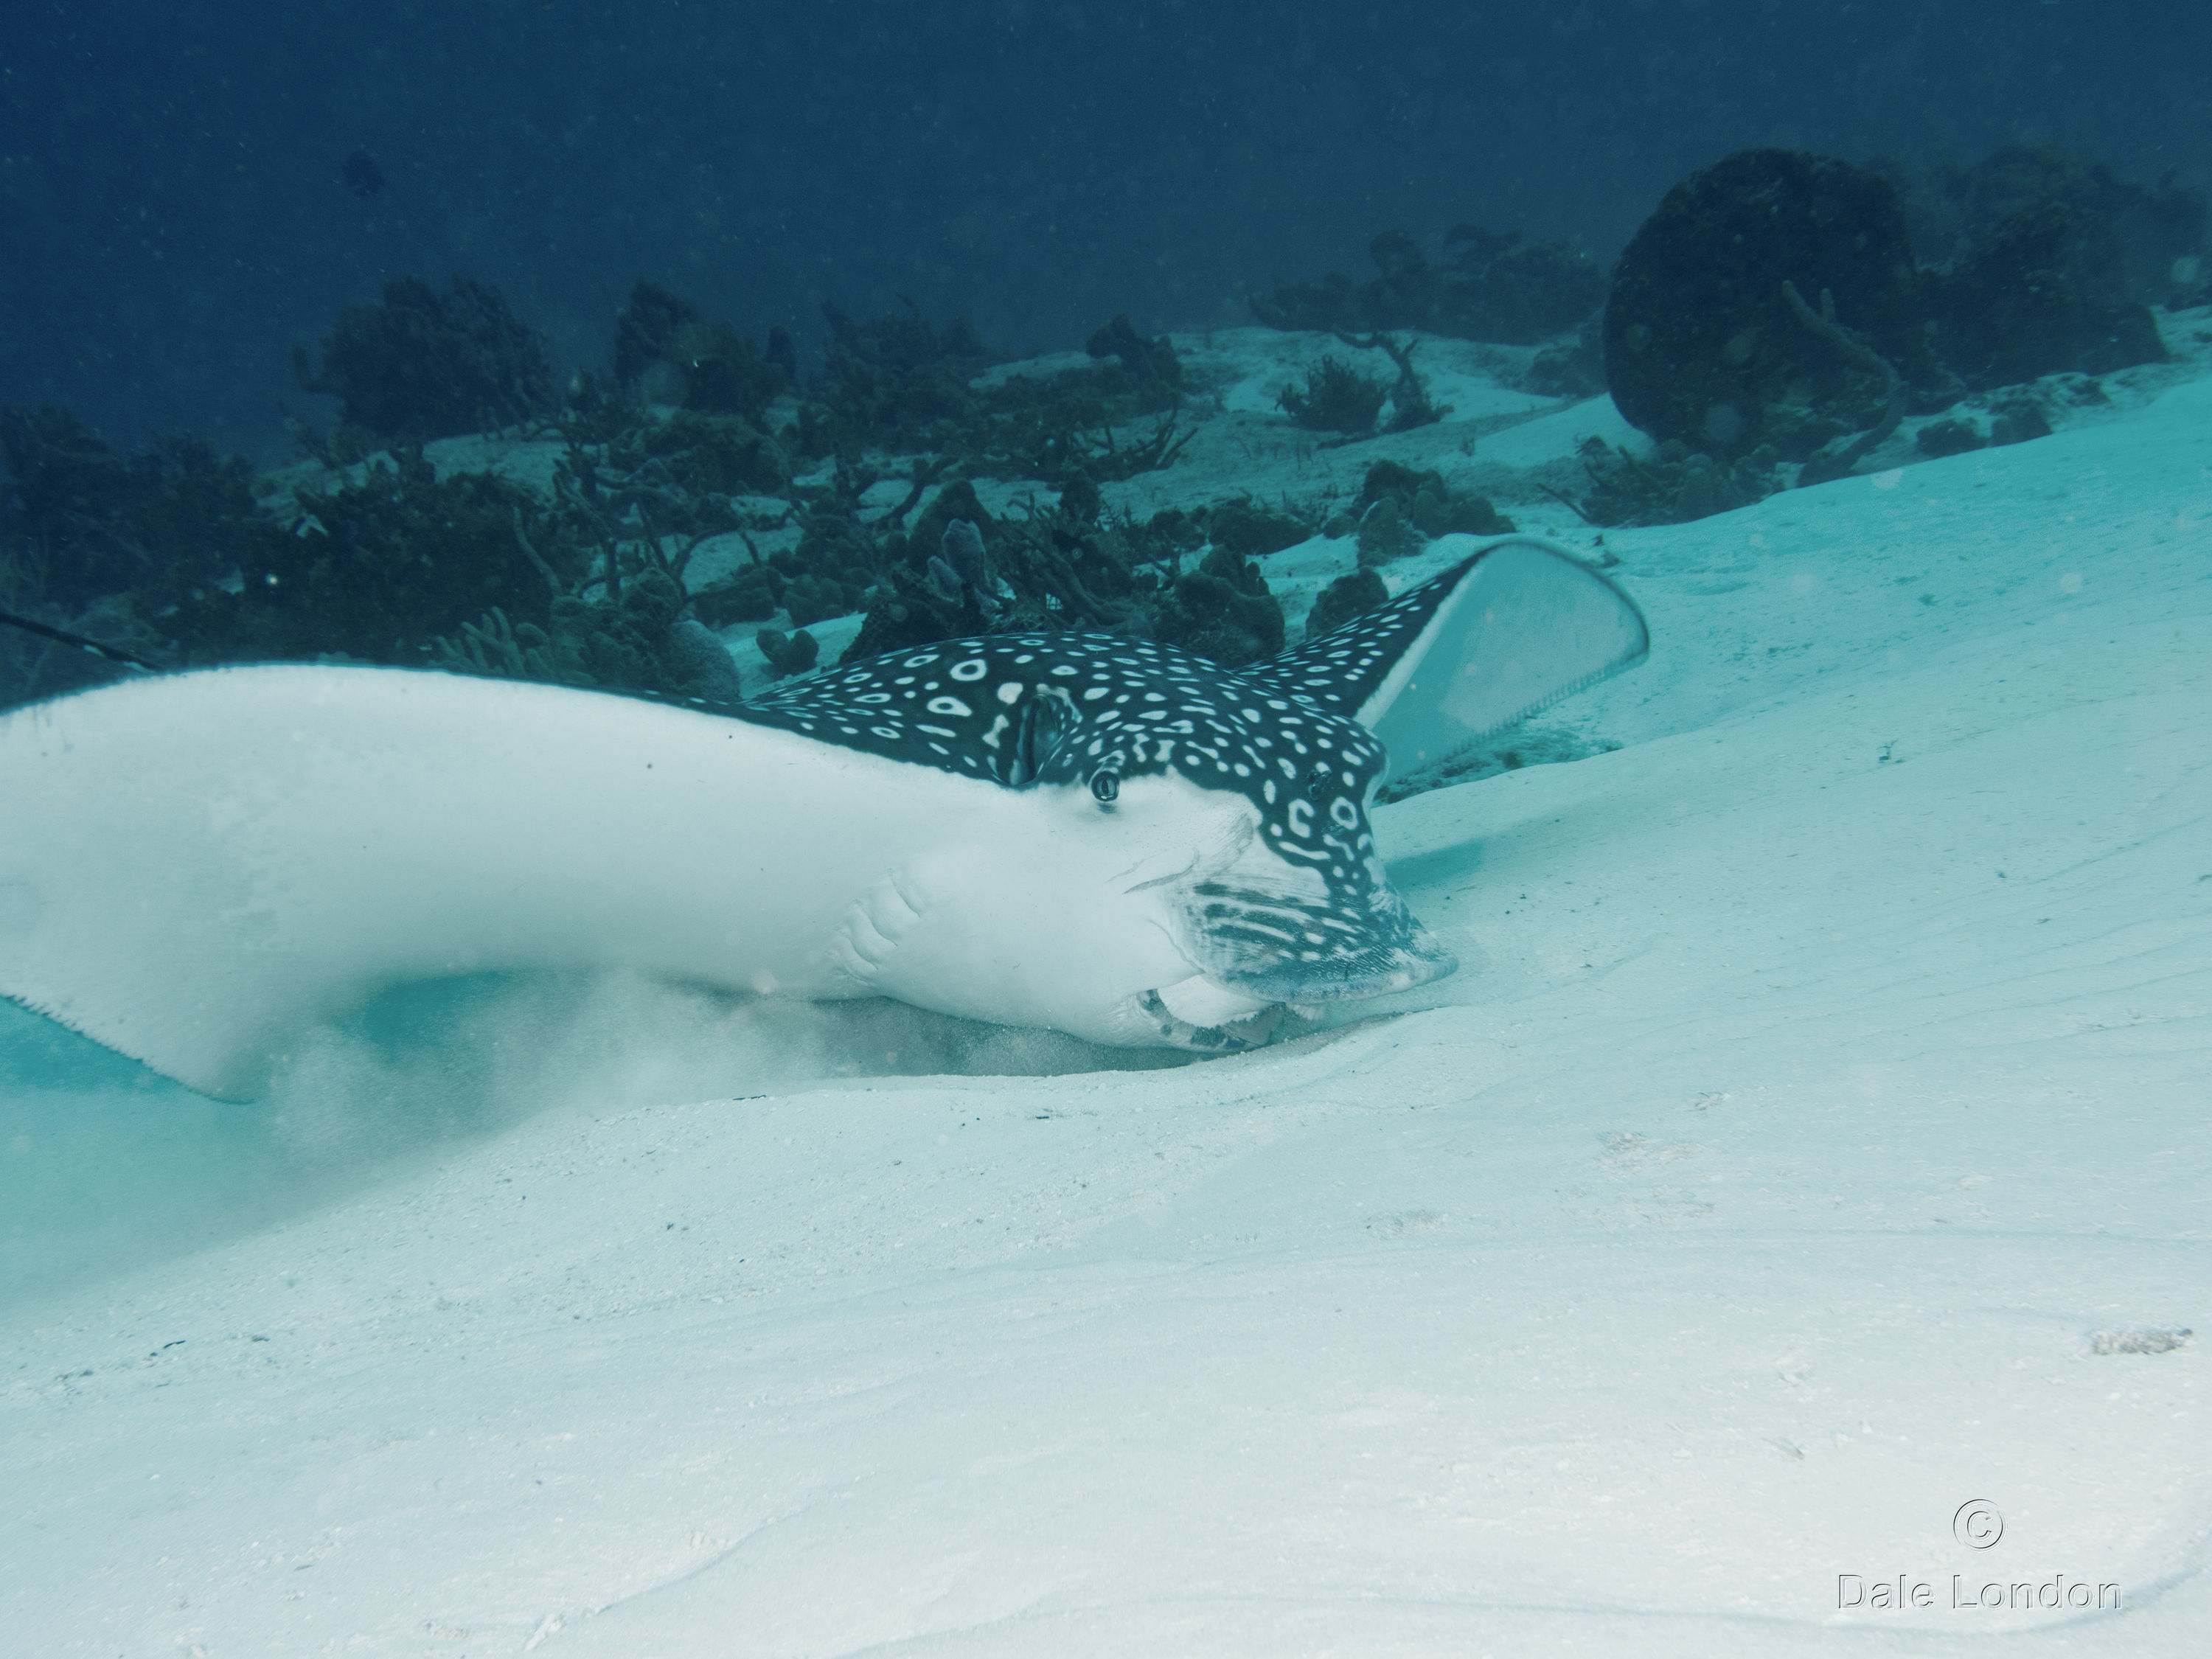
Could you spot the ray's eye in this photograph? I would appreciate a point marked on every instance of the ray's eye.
(1105, 784)
(1315, 779)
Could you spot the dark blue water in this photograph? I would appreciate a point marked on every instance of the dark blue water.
(176, 215)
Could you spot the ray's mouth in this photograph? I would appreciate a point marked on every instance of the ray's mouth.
(1414, 958)
(1264, 941)
(1225, 1014)
(1268, 946)
(1227, 1024)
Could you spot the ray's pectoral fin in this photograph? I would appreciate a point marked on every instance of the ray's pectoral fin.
(1509, 631)
(1526, 626)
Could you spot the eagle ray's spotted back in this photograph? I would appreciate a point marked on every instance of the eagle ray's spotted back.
(1027, 709)
(978, 706)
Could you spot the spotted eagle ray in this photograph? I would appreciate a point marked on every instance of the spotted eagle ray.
(1087, 832)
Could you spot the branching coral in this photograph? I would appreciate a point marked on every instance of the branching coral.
(1337, 398)
(1824, 464)
(376, 569)
(1410, 406)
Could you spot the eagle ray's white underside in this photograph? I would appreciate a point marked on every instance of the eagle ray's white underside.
(300, 837)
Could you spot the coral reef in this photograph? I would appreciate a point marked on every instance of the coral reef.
(1399, 511)
(2031, 263)
(753, 593)
(1423, 501)
(1224, 610)
(376, 570)
(898, 385)
(787, 654)
(2013, 416)
(1769, 313)
(1954, 210)
(705, 455)
(1837, 461)
(894, 382)
(1948, 437)
(1079, 498)
(1384, 534)
(1250, 532)
(1343, 599)
(948, 598)
(1702, 343)
(1055, 573)
(1058, 428)
(585, 584)
(1676, 486)
(961, 573)
(1492, 286)
(421, 365)
(1410, 403)
(636, 643)
(2045, 292)
(130, 551)
(912, 612)
(2014, 421)
(666, 352)
(1572, 368)
(474, 573)
(1499, 287)
(1151, 363)
(81, 520)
